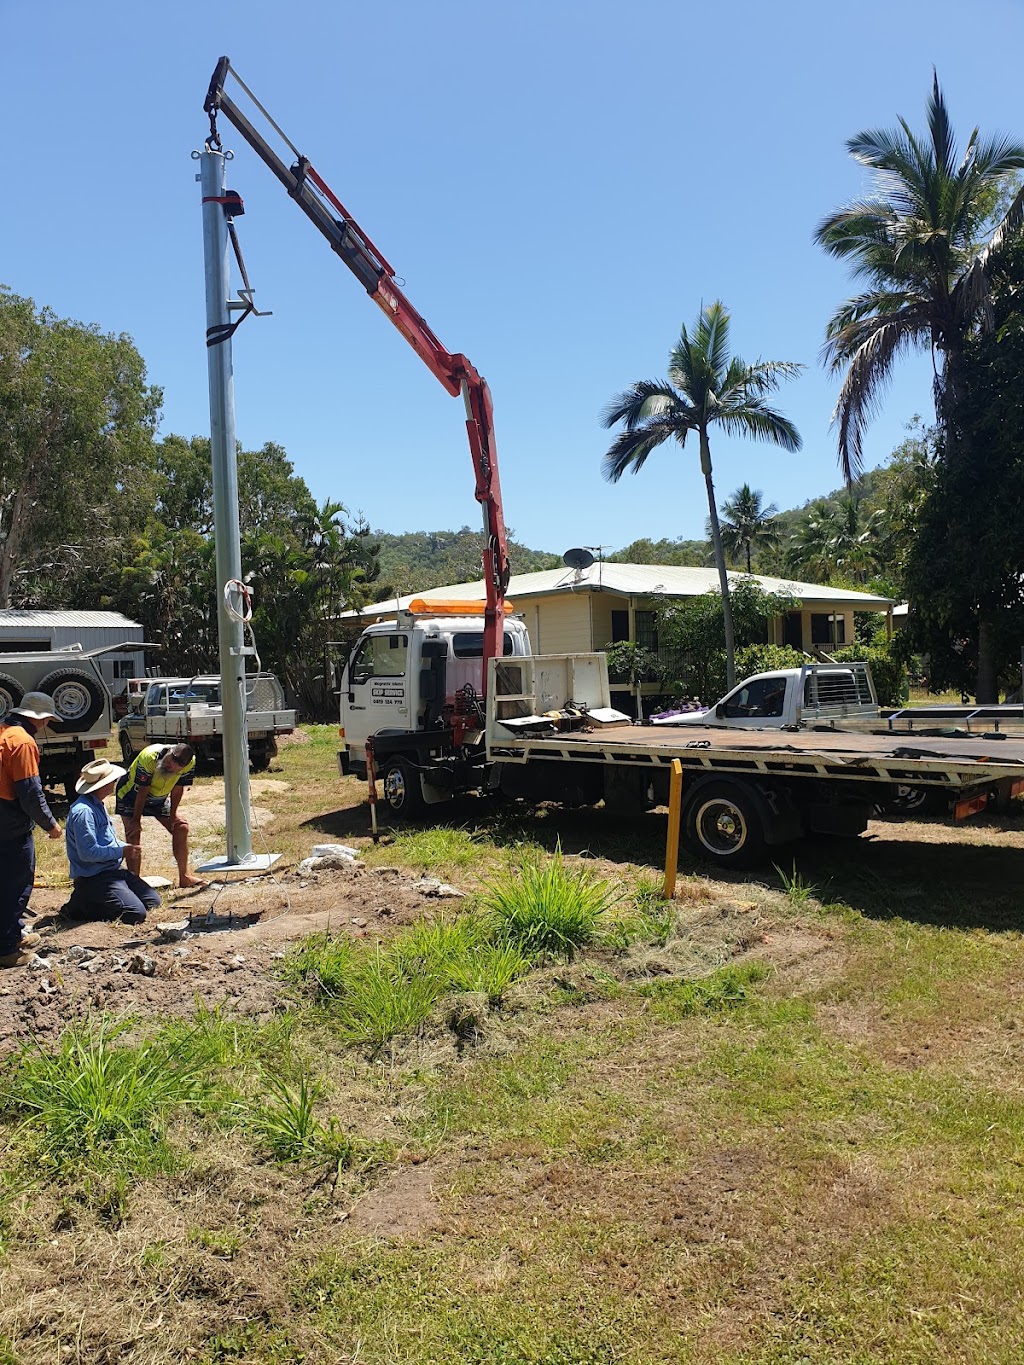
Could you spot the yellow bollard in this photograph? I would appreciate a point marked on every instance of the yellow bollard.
(675, 802)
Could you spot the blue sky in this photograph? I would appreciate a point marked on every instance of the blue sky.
(559, 184)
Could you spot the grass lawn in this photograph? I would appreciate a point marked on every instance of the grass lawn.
(779, 1120)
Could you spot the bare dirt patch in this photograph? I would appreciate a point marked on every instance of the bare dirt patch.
(237, 931)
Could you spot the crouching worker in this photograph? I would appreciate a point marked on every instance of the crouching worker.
(154, 785)
(103, 888)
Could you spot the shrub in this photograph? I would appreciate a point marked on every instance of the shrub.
(547, 909)
(380, 1002)
(751, 659)
(888, 672)
(491, 968)
(95, 1103)
(322, 961)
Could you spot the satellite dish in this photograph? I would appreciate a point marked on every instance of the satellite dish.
(578, 559)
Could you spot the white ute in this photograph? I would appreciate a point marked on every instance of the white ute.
(817, 694)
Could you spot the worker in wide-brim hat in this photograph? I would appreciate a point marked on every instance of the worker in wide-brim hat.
(22, 806)
(103, 887)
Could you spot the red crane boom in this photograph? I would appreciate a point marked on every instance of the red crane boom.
(458, 375)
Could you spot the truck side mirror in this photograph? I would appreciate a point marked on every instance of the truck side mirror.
(720, 710)
(428, 684)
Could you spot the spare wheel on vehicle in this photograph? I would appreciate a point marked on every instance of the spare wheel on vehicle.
(11, 692)
(78, 699)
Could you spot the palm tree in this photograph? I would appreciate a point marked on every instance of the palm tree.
(705, 386)
(927, 248)
(835, 538)
(747, 524)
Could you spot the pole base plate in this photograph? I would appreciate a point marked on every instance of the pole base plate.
(256, 862)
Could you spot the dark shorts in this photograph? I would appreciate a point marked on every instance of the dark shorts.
(155, 805)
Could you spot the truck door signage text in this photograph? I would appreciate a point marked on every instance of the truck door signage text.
(387, 694)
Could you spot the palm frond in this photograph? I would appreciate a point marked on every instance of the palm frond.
(630, 450)
(646, 398)
(1008, 228)
(972, 298)
(762, 423)
(849, 341)
(940, 130)
(709, 348)
(869, 371)
(764, 376)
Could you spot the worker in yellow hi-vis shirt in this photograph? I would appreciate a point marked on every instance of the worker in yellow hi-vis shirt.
(154, 786)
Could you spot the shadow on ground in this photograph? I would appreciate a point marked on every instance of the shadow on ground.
(940, 878)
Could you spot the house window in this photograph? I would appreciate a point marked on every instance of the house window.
(647, 630)
(828, 628)
(620, 626)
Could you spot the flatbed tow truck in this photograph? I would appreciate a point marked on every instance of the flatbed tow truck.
(446, 698)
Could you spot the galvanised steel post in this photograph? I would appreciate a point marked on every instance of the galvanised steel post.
(212, 177)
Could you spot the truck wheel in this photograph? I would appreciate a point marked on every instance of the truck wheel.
(78, 699)
(127, 752)
(402, 790)
(11, 692)
(722, 823)
(259, 757)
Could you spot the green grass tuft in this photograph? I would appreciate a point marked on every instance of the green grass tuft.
(722, 990)
(547, 909)
(98, 1105)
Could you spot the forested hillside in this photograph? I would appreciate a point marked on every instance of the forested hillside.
(418, 560)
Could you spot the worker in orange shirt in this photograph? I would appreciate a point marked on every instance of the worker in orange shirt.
(22, 805)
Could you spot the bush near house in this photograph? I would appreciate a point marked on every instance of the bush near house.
(888, 672)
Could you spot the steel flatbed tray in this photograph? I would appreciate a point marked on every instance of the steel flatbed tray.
(834, 753)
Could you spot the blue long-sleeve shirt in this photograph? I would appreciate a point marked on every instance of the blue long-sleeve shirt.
(92, 844)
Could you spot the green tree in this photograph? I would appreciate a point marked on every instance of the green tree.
(747, 525)
(418, 560)
(706, 387)
(836, 538)
(76, 428)
(965, 564)
(693, 630)
(927, 248)
(692, 554)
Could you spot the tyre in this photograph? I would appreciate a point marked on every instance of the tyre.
(722, 823)
(78, 699)
(259, 757)
(127, 752)
(402, 791)
(11, 692)
(903, 800)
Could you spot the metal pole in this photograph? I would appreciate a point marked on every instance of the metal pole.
(225, 509)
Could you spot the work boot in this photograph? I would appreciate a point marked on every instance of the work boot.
(30, 941)
(19, 959)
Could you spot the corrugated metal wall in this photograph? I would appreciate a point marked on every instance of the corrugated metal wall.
(20, 635)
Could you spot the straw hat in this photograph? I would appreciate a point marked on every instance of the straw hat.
(35, 706)
(98, 774)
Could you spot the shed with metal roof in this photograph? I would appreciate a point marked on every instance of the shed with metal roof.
(27, 631)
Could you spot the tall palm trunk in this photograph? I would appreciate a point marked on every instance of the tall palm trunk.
(716, 541)
(956, 453)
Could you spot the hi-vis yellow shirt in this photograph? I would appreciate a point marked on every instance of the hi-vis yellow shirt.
(144, 772)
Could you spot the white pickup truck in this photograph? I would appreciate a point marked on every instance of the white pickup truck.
(817, 694)
(188, 711)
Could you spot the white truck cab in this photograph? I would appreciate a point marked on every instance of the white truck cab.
(814, 694)
(399, 679)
